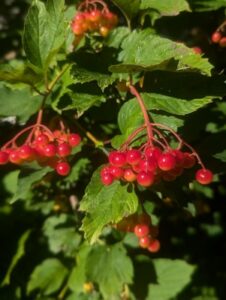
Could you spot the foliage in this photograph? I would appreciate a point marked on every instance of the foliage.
(64, 237)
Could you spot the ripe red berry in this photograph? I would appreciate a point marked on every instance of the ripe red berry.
(4, 157)
(107, 179)
(26, 152)
(105, 170)
(117, 159)
(179, 156)
(189, 160)
(166, 162)
(222, 42)
(95, 15)
(154, 246)
(63, 168)
(145, 241)
(42, 140)
(133, 156)
(129, 175)
(63, 149)
(216, 36)
(14, 157)
(148, 164)
(116, 172)
(74, 139)
(204, 176)
(197, 50)
(145, 178)
(153, 152)
(49, 150)
(141, 230)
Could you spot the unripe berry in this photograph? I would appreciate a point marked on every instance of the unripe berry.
(141, 230)
(63, 168)
(133, 156)
(204, 176)
(166, 162)
(104, 31)
(95, 15)
(145, 178)
(129, 175)
(117, 159)
(4, 157)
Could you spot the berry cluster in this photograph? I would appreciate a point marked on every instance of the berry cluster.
(94, 21)
(46, 147)
(219, 38)
(148, 166)
(142, 227)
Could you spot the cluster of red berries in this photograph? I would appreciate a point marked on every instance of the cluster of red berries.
(47, 148)
(142, 226)
(219, 38)
(94, 21)
(149, 166)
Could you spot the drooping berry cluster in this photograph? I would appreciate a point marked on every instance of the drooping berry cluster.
(219, 38)
(94, 20)
(142, 226)
(150, 165)
(42, 145)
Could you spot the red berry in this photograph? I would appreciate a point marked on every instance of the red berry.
(136, 168)
(189, 160)
(49, 150)
(216, 36)
(63, 168)
(148, 164)
(77, 28)
(153, 152)
(105, 170)
(197, 50)
(117, 159)
(64, 149)
(95, 15)
(166, 162)
(133, 156)
(204, 176)
(179, 156)
(154, 246)
(42, 140)
(145, 178)
(74, 139)
(129, 175)
(107, 179)
(14, 157)
(116, 172)
(145, 241)
(141, 230)
(222, 42)
(4, 157)
(26, 152)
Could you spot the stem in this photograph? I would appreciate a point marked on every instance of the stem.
(148, 125)
(195, 154)
(170, 130)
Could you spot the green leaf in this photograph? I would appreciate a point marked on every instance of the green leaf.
(136, 49)
(19, 103)
(172, 278)
(61, 237)
(43, 31)
(221, 156)
(207, 5)
(81, 75)
(166, 7)
(128, 10)
(78, 275)
(104, 205)
(111, 268)
(116, 37)
(48, 276)
(19, 253)
(26, 179)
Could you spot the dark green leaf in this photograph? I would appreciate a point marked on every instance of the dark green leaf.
(166, 7)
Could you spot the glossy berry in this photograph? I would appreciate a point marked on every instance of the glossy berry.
(63, 149)
(204, 176)
(133, 156)
(74, 139)
(145, 178)
(26, 152)
(105, 170)
(49, 150)
(4, 157)
(153, 152)
(42, 139)
(179, 156)
(154, 246)
(129, 175)
(107, 179)
(216, 36)
(104, 31)
(145, 241)
(117, 159)
(148, 164)
(141, 230)
(166, 162)
(14, 157)
(116, 172)
(63, 168)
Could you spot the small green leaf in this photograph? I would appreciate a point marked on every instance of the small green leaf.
(221, 156)
(48, 276)
(172, 278)
(166, 7)
(104, 205)
(19, 253)
(111, 268)
(128, 10)
(207, 5)
(26, 179)
(19, 103)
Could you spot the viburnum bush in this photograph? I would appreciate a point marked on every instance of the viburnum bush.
(112, 150)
